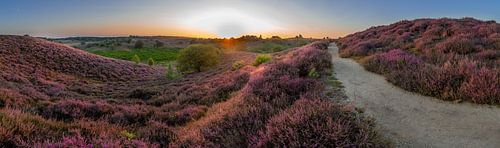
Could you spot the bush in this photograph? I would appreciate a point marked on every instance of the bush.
(313, 73)
(237, 65)
(318, 123)
(482, 87)
(69, 110)
(136, 59)
(157, 133)
(139, 44)
(197, 58)
(171, 73)
(263, 58)
(158, 44)
(151, 62)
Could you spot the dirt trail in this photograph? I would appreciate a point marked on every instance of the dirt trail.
(413, 120)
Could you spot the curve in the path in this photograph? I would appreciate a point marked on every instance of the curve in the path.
(413, 120)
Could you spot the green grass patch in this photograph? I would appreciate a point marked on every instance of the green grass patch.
(263, 58)
(267, 47)
(332, 81)
(161, 56)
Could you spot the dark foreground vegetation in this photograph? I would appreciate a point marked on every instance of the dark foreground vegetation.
(452, 59)
(53, 95)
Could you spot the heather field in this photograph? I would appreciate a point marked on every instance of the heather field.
(258, 74)
(451, 59)
(53, 95)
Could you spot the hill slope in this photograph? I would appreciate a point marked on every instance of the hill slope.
(453, 59)
(40, 69)
(28, 55)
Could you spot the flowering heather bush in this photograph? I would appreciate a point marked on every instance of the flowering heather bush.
(76, 109)
(396, 59)
(311, 58)
(317, 123)
(452, 59)
(482, 86)
(207, 92)
(11, 99)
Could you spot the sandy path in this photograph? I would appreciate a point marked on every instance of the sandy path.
(412, 120)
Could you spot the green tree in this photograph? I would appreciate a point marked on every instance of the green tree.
(151, 62)
(158, 44)
(136, 59)
(198, 57)
(139, 44)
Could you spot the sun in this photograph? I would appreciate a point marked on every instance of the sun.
(227, 22)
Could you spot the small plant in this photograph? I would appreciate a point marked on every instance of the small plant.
(128, 134)
(171, 72)
(313, 73)
(136, 59)
(151, 62)
(263, 58)
(237, 65)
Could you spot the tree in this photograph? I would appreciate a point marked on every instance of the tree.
(198, 57)
(136, 59)
(158, 44)
(151, 62)
(139, 44)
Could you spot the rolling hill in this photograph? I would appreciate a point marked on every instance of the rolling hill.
(452, 59)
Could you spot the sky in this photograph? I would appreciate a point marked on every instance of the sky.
(224, 18)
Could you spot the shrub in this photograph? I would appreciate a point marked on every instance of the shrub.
(138, 44)
(136, 59)
(151, 62)
(396, 59)
(483, 86)
(158, 44)
(312, 58)
(318, 123)
(132, 114)
(238, 128)
(198, 58)
(171, 73)
(157, 133)
(313, 73)
(263, 58)
(459, 45)
(128, 134)
(68, 110)
(237, 65)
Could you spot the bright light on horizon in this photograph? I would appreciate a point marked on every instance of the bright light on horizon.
(226, 22)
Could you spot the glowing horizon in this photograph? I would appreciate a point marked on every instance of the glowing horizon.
(221, 18)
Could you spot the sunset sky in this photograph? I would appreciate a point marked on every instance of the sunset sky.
(223, 18)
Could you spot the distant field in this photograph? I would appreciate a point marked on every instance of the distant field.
(160, 55)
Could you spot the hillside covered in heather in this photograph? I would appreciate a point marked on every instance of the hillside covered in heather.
(52, 95)
(452, 59)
